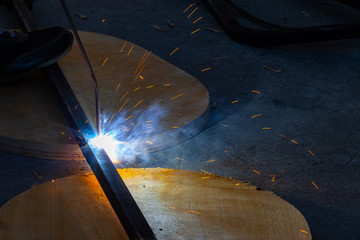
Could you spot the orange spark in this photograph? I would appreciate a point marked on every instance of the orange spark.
(204, 177)
(174, 51)
(197, 20)
(53, 180)
(256, 92)
(294, 141)
(210, 161)
(123, 46)
(204, 171)
(303, 231)
(136, 89)
(256, 171)
(192, 12)
(102, 65)
(138, 74)
(188, 7)
(86, 121)
(148, 142)
(205, 69)
(137, 103)
(193, 211)
(129, 118)
(266, 128)
(237, 184)
(256, 115)
(167, 84)
(141, 77)
(195, 31)
(283, 136)
(172, 207)
(236, 101)
(103, 20)
(175, 127)
(124, 95)
(311, 152)
(179, 158)
(141, 61)
(111, 119)
(130, 50)
(315, 185)
(150, 86)
(273, 179)
(117, 87)
(176, 96)
(123, 104)
(62, 133)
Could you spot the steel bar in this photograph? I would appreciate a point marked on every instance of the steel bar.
(113, 186)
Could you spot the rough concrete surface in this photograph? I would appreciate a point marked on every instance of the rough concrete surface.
(311, 105)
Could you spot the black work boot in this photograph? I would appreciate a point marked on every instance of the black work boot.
(21, 53)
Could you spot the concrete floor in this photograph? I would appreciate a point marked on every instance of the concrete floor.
(313, 101)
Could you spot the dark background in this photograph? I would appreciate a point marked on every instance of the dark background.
(314, 101)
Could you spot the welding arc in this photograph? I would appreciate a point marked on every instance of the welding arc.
(87, 61)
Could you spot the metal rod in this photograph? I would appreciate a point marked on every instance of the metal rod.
(87, 61)
(121, 200)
